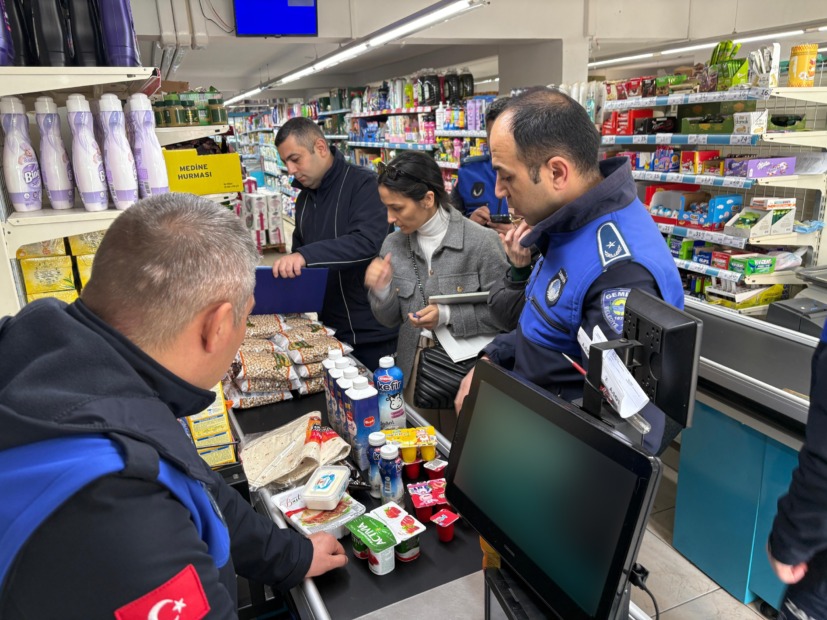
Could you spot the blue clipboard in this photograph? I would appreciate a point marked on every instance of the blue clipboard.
(282, 295)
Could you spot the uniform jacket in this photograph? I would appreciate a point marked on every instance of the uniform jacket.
(341, 226)
(160, 513)
(799, 531)
(470, 258)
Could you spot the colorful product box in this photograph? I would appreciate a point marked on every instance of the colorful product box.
(751, 264)
(644, 161)
(666, 206)
(692, 161)
(275, 220)
(712, 214)
(254, 211)
(666, 160)
(752, 222)
(47, 273)
(703, 255)
(84, 263)
(750, 123)
(736, 166)
(67, 296)
(681, 247)
(713, 167)
(50, 247)
(87, 243)
(626, 120)
(702, 125)
(770, 167)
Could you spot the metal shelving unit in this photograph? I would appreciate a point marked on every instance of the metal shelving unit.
(685, 139)
(394, 111)
(460, 133)
(174, 135)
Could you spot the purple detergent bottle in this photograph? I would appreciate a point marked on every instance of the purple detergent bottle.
(119, 34)
(6, 39)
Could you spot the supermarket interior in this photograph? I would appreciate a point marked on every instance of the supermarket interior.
(410, 370)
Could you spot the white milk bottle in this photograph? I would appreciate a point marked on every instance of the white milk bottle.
(20, 167)
(121, 176)
(54, 160)
(149, 157)
(87, 161)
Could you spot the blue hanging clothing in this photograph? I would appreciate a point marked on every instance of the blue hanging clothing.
(476, 180)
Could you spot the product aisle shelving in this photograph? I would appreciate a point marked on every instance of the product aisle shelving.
(392, 112)
(808, 181)
(678, 139)
(174, 135)
(450, 165)
(793, 239)
(333, 112)
(405, 146)
(460, 133)
(89, 81)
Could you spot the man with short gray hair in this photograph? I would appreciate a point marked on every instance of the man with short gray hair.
(102, 495)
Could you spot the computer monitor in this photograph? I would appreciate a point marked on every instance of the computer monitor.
(276, 18)
(666, 363)
(560, 495)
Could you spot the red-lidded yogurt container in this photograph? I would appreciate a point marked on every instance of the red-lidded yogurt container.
(412, 469)
(435, 469)
(444, 520)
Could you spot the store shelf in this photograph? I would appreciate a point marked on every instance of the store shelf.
(408, 146)
(174, 135)
(696, 179)
(678, 139)
(366, 145)
(451, 165)
(793, 239)
(703, 235)
(460, 133)
(248, 157)
(337, 137)
(795, 181)
(290, 191)
(753, 94)
(251, 131)
(333, 112)
(781, 277)
(714, 272)
(272, 174)
(90, 81)
(33, 226)
(817, 139)
(419, 110)
(817, 94)
(221, 197)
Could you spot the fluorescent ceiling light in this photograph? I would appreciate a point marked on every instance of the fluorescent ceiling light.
(822, 29)
(764, 37)
(423, 22)
(249, 93)
(342, 56)
(296, 76)
(822, 49)
(487, 81)
(613, 61)
(691, 48)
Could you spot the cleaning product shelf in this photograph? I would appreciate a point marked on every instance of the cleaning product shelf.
(174, 135)
(22, 228)
(451, 165)
(689, 265)
(389, 112)
(332, 112)
(90, 81)
(678, 139)
(459, 133)
(753, 94)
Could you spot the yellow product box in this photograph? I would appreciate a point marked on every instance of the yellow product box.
(84, 263)
(50, 247)
(744, 297)
(216, 457)
(211, 422)
(203, 174)
(67, 296)
(87, 243)
(47, 273)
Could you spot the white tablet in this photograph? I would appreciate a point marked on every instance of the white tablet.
(460, 298)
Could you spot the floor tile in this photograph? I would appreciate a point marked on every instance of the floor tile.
(671, 456)
(662, 524)
(717, 605)
(462, 599)
(672, 578)
(667, 490)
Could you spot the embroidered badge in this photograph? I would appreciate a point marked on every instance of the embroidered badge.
(181, 597)
(555, 287)
(613, 305)
(612, 245)
(478, 189)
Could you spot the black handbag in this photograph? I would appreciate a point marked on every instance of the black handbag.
(437, 375)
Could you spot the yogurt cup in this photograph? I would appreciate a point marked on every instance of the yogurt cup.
(444, 520)
(428, 452)
(408, 550)
(435, 468)
(360, 549)
(381, 562)
(408, 454)
(412, 469)
(424, 513)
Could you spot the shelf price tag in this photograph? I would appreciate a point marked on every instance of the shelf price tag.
(733, 182)
(697, 138)
(742, 139)
(729, 275)
(704, 179)
(653, 176)
(663, 138)
(609, 139)
(676, 99)
(673, 177)
(640, 139)
(648, 102)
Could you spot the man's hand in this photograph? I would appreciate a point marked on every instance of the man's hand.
(464, 388)
(518, 256)
(379, 274)
(481, 216)
(786, 573)
(328, 554)
(289, 266)
(427, 318)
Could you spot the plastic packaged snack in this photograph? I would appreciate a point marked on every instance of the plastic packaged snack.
(325, 487)
(273, 366)
(309, 352)
(245, 400)
(309, 371)
(310, 386)
(309, 521)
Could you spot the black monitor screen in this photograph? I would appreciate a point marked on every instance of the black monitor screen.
(561, 498)
(276, 18)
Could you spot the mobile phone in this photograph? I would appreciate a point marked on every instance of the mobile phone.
(503, 218)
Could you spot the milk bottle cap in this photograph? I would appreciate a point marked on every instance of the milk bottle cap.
(389, 451)
(334, 354)
(351, 372)
(360, 383)
(343, 363)
(45, 105)
(377, 439)
(386, 362)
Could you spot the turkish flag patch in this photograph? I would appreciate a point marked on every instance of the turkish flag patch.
(180, 598)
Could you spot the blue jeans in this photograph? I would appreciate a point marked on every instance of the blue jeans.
(807, 599)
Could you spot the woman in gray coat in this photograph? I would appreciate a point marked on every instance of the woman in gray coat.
(436, 251)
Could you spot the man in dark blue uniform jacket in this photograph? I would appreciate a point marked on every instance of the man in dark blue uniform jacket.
(798, 541)
(596, 239)
(340, 224)
(106, 509)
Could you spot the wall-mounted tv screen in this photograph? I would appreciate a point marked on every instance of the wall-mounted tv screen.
(276, 18)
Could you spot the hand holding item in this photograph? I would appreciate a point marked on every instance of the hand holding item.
(328, 554)
(481, 216)
(518, 256)
(427, 318)
(379, 274)
(289, 266)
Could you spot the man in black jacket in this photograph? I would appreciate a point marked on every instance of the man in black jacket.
(105, 505)
(340, 224)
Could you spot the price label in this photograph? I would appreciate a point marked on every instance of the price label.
(729, 275)
(676, 99)
(653, 176)
(761, 93)
(733, 182)
(640, 139)
(696, 267)
(666, 228)
(663, 138)
(648, 102)
(609, 139)
(673, 177)
(742, 139)
(698, 138)
(704, 179)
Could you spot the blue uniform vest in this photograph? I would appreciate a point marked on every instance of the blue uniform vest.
(574, 260)
(36, 479)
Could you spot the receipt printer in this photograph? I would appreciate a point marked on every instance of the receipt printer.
(801, 315)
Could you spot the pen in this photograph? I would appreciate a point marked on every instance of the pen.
(576, 366)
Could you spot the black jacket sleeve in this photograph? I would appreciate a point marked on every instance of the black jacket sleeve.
(506, 300)
(800, 528)
(260, 550)
(367, 227)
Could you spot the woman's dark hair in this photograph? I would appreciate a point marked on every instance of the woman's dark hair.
(413, 175)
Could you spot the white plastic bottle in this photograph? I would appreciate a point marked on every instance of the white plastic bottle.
(87, 161)
(149, 157)
(121, 176)
(20, 167)
(363, 406)
(343, 384)
(440, 118)
(54, 161)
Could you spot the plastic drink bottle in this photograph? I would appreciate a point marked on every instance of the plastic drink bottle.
(338, 410)
(20, 167)
(343, 384)
(6, 38)
(87, 161)
(389, 382)
(121, 176)
(149, 158)
(54, 161)
(375, 441)
(362, 410)
(328, 365)
(119, 34)
(390, 468)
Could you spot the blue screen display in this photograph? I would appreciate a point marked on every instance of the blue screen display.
(289, 18)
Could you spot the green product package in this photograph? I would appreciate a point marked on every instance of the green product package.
(376, 535)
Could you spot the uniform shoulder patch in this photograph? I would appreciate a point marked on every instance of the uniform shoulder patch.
(613, 306)
(555, 287)
(182, 597)
(611, 244)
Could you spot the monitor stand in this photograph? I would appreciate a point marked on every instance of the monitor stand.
(513, 601)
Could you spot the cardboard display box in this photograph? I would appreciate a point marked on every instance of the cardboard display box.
(203, 174)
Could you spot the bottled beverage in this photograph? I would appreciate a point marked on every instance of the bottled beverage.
(390, 468)
(50, 30)
(149, 158)
(466, 84)
(119, 34)
(87, 161)
(121, 176)
(87, 39)
(343, 384)
(430, 88)
(376, 441)
(328, 365)
(20, 167)
(389, 382)
(339, 412)
(54, 161)
(6, 37)
(452, 91)
(362, 410)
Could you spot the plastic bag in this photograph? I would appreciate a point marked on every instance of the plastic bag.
(315, 350)
(272, 366)
(237, 399)
(305, 332)
(788, 260)
(309, 371)
(268, 325)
